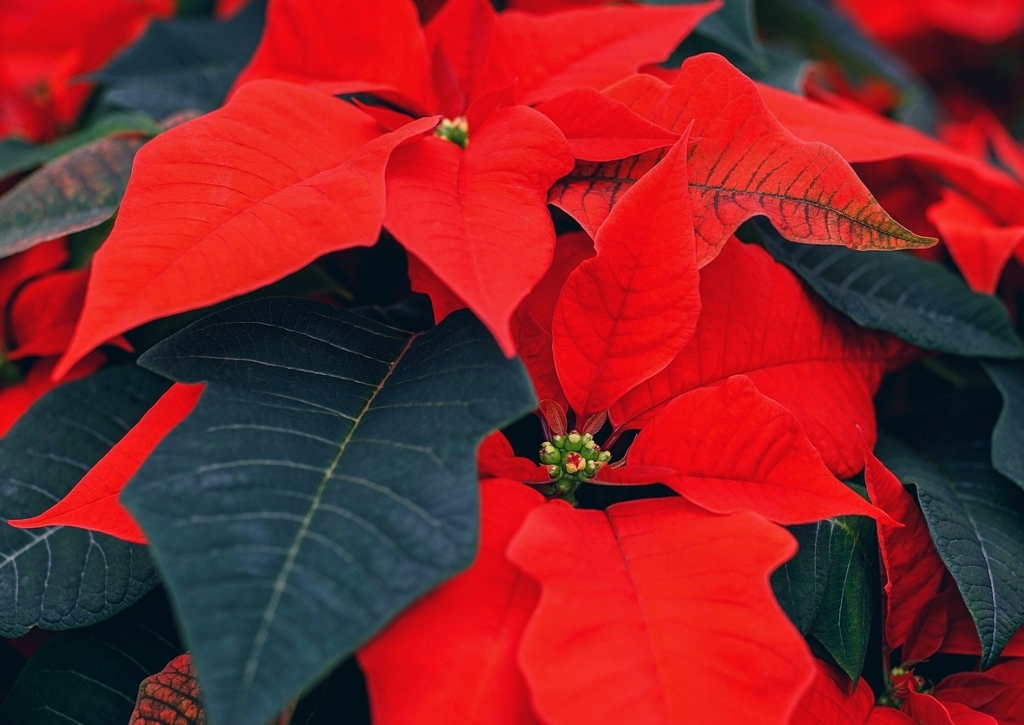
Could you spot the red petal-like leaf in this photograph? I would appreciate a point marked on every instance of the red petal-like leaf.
(929, 710)
(477, 217)
(979, 246)
(92, 503)
(832, 699)
(170, 697)
(758, 320)
(44, 314)
(734, 449)
(459, 36)
(547, 55)
(624, 314)
(235, 200)
(913, 569)
(744, 163)
(17, 398)
(600, 128)
(452, 655)
(998, 692)
(346, 47)
(657, 612)
(16, 270)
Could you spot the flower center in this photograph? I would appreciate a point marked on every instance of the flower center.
(571, 460)
(455, 130)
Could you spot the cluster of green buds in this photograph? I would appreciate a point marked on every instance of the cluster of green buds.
(455, 130)
(571, 460)
(901, 682)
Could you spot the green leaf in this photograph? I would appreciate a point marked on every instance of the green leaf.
(326, 479)
(79, 190)
(919, 301)
(828, 588)
(17, 155)
(975, 517)
(730, 31)
(88, 576)
(91, 676)
(183, 64)
(1007, 441)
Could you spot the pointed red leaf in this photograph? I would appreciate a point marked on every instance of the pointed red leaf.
(929, 710)
(44, 313)
(170, 697)
(734, 449)
(744, 163)
(235, 200)
(92, 503)
(833, 699)
(624, 314)
(477, 217)
(913, 569)
(758, 320)
(453, 654)
(983, 693)
(16, 270)
(459, 36)
(979, 246)
(600, 128)
(346, 47)
(657, 612)
(545, 55)
(15, 399)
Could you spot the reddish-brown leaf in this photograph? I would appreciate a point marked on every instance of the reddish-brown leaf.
(92, 503)
(913, 569)
(743, 163)
(235, 200)
(624, 314)
(477, 217)
(452, 656)
(170, 697)
(758, 320)
(346, 47)
(734, 449)
(545, 55)
(657, 612)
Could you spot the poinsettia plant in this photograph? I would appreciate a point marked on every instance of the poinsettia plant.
(539, 361)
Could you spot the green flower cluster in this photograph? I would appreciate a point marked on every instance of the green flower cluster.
(571, 460)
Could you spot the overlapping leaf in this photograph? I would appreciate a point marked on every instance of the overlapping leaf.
(733, 449)
(325, 480)
(90, 576)
(624, 314)
(919, 301)
(76, 191)
(743, 164)
(976, 519)
(1007, 445)
(170, 696)
(632, 601)
(828, 589)
(235, 200)
(757, 320)
(454, 651)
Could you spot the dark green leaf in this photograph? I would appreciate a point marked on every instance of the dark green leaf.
(91, 676)
(919, 301)
(79, 190)
(89, 576)
(183, 64)
(828, 588)
(975, 517)
(729, 31)
(17, 155)
(325, 480)
(1008, 434)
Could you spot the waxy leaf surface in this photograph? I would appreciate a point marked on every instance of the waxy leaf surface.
(90, 576)
(635, 597)
(76, 191)
(919, 301)
(734, 449)
(625, 313)
(976, 519)
(235, 200)
(325, 480)
(758, 320)
(828, 589)
(1007, 444)
(478, 217)
(454, 651)
(743, 164)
